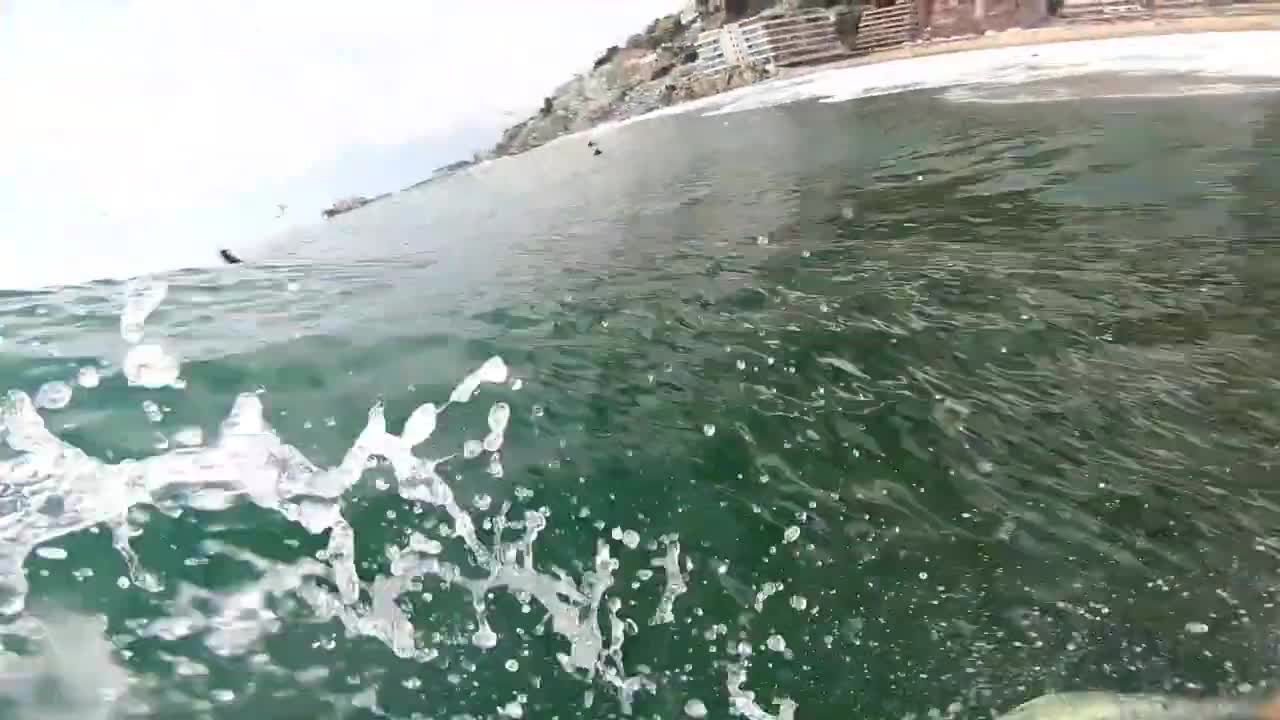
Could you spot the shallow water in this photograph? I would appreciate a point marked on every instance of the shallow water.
(920, 404)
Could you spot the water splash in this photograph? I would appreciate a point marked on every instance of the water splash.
(141, 298)
(150, 366)
(62, 490)
(420, 425)
(675, 587)
(494, 370)
(743, 702)
(499, 416)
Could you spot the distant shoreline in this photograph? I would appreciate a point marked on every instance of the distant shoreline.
(1244, 17)
(1241, 17)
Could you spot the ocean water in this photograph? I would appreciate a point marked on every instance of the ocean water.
(919, 405)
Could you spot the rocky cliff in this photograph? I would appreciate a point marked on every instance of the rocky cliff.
(654, 69)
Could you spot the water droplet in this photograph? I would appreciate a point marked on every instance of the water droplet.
(791, 534)
(53, 395)
(1197, 628)
(695, 708)
(776, 643)
(51, 553)
(511, 665)
(222, 695)
(708, 429)
(799, 602)
(472, 449)
(88, 377)
(484, 638)
(123, 583)
(152, 411)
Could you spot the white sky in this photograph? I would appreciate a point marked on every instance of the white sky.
(133, 132)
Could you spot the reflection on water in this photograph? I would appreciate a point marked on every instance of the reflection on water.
(902, 406)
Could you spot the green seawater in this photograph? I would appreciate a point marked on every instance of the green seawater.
(937, 406)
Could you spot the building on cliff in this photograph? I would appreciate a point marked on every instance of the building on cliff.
(785, 36)
(944, 18)
(774, 38)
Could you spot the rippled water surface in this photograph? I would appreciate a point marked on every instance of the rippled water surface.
(923, 404)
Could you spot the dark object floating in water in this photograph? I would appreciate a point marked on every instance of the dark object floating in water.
(229, 257)
(591, 143)
(598, 151)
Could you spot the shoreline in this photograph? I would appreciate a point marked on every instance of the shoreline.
(1254, 16)
(1239, 18)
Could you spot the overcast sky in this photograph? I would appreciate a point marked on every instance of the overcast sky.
(151, 127)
